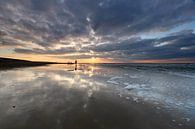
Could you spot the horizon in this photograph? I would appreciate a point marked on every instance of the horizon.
(102, 62)
(101, 31)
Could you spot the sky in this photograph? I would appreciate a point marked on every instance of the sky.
(98, 31)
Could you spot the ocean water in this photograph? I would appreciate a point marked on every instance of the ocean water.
(57, 95)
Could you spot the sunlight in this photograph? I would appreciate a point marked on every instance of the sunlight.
(93, 60)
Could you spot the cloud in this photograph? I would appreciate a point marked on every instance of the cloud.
(42, 5)
(163, 48)
(110, 28)
(41, 51)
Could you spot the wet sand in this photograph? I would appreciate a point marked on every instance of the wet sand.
(54, 98)
(77, 109)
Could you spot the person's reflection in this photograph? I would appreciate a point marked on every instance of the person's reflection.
(75, 66)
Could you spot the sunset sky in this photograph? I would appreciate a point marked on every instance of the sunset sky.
(96, 31)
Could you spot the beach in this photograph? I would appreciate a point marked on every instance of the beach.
(96, 97)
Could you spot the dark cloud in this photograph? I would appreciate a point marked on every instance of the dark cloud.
(99, 26)
(60, 19)
(42, 5)
(2, 33)
(183, 32)
(169, 47)
(138, 16)
(67, 50)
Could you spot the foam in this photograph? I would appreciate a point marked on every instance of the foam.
(113, 80)
(182, 75)
(135, 86)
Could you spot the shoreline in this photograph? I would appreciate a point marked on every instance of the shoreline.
(9, 63)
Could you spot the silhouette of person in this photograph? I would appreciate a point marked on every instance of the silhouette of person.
(75, 65)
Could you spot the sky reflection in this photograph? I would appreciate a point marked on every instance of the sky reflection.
(63, 97)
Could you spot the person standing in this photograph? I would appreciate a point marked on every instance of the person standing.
(75, 64)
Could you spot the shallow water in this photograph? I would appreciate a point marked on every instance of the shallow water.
(170, 84)
(98, 96)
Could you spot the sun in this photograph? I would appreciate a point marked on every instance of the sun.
(93, 60)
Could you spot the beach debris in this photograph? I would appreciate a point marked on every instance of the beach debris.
(187, 119)
(120, 95)
(135, 99)
(13, 106)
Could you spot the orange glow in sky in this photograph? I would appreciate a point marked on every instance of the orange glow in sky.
(50, 58)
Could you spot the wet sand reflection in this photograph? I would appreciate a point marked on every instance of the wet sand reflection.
(55, 98)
